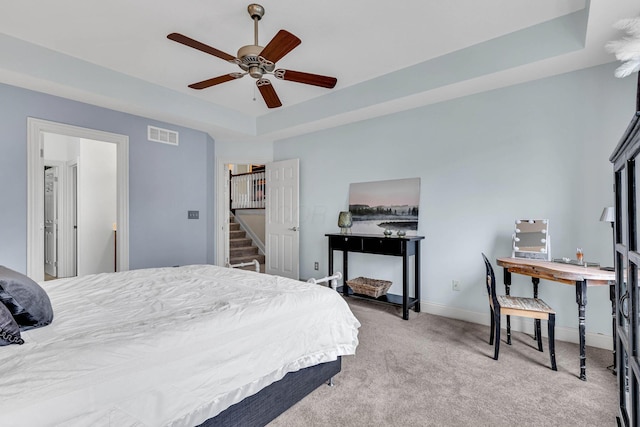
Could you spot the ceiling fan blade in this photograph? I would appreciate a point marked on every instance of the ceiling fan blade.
(268, 93)
(187, 41)
(283, 43)
(215, 81)
(306, 78)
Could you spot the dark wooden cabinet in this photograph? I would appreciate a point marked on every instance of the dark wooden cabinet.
(404, 247)
(627, 264)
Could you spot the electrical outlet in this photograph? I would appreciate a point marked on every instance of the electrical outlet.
(455, 285)
(316, 265)
(193, 214)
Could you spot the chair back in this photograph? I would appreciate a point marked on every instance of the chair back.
(491, 282)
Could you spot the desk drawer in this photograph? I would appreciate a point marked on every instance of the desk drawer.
(341, 243)
(383, 246)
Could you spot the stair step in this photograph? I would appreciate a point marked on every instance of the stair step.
(239, 234)
(241, 248)
(236, 243)
(243, 251)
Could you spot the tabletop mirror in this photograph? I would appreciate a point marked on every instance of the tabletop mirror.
(531, 239)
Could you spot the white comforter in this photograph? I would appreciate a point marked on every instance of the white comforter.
(169, 346)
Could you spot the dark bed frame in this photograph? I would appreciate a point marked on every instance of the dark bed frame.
(263, 407)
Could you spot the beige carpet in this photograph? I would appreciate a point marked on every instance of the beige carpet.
(435, 371)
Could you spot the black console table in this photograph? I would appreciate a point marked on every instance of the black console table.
(373, 244)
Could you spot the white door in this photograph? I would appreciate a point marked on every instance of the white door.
(51, 221)
(71, 219)
(282, 218)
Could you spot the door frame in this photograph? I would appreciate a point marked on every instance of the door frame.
(222, 201)
(36, 128)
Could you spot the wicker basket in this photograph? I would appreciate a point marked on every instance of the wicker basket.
(370, 287)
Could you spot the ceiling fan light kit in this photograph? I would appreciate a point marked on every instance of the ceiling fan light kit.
(258, 61)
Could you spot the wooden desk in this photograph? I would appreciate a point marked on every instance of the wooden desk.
(374, 244)
(569, 274)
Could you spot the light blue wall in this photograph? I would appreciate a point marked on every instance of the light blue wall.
(538, 149)
(164, 181)
(535, 150)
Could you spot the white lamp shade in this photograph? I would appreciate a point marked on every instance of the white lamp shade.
(608, 214)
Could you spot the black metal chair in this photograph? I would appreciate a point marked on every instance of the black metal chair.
(533, 308)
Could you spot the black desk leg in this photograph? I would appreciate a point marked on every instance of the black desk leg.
(416, 259)
(612, 297)
(405, 286)
(507, 289)
(345, 273)
(581, 299)
(536, 282)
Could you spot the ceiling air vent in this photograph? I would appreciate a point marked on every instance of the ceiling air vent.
(165, 136)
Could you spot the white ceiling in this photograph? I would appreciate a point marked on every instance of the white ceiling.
(387, 56)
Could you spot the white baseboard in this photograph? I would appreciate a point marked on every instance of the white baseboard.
(517, 324)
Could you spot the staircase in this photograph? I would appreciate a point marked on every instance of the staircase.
(241, 248)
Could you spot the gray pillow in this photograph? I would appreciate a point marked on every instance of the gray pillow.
(26, 300)
(9, 329)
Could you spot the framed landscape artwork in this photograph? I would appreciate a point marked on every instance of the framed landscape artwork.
(379, 205)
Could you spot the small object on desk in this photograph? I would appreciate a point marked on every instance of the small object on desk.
(345, 221)
(565, 260)
(579, 255)
(387, 232)
(402, 233)
(531, 239)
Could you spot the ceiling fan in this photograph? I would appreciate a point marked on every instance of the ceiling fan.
(258, 61)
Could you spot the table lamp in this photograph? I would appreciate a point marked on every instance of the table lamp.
(609, 215)
(345, 222)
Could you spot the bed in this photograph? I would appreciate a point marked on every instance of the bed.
(178, 346)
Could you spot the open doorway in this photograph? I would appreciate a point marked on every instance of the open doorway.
(281, 216)
(222, 203)
(87, 194)
(79, 217)
(247, 219)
